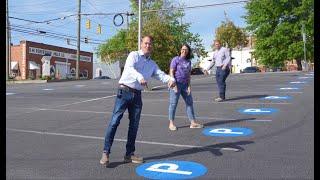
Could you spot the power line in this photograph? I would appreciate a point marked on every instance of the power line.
(49, 34)
(122, 13)
(193, 7)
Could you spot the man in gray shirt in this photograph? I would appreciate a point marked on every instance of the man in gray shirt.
(139, 68)
(222, 59)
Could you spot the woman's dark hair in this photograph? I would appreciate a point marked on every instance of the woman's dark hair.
(189, 55)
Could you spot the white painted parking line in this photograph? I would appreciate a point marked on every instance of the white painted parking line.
(224, 102)
(89, 100)
(49, 89)
(142, 114)
(230, 92)
(9, 93)
(289, 88)
(297, 82)
(80, 85)
(305, 77)
(260, 120)
(119, 140)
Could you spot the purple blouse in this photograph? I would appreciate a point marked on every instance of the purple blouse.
(182, 69)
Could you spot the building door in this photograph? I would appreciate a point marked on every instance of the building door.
(62, 70)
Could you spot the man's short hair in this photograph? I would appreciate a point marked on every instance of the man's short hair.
(217, 40)
(149, 36)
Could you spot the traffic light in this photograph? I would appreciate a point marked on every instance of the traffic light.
(85, 40)
(88, 25)
(99, 29)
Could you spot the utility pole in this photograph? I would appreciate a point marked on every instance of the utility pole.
(7, 43)
(78, 39)
(304, 44)
(140, 24)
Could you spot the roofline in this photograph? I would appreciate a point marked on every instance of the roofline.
(52, 46)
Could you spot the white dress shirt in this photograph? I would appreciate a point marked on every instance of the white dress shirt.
(221, 57)
(138, 67)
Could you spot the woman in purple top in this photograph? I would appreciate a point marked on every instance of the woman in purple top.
(180, 69)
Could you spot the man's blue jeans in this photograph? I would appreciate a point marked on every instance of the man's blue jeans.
(221, 76)
(174, 97)
(124, 100)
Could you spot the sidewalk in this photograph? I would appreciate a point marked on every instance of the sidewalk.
(40, 81)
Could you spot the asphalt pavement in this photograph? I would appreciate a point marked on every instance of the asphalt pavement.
(264, 130)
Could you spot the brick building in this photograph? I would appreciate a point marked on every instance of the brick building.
(27, 60)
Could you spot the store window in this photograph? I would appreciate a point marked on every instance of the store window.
(52, 70)
(84, 74)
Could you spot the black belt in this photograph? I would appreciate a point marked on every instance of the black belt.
(127, 88)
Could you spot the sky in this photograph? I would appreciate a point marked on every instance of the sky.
(203, 20)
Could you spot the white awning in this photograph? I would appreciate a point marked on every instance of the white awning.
(14, 65)
(33, 65)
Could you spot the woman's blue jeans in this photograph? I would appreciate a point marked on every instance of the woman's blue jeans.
(124, 100)
(174, 98)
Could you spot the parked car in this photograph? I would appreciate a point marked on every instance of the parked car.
(102, 77)
(251, 69)
(196, 71)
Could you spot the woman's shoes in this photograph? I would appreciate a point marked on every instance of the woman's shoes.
(192, 126)
(195, 125)
(172, 128)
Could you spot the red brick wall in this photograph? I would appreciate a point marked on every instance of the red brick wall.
(17, 55)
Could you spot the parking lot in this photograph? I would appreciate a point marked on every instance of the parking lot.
(265, 130)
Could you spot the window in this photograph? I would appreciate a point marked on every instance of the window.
(84, 74)
(52, 70)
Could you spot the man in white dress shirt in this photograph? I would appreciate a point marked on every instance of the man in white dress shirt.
(139, 68)
(222, 59)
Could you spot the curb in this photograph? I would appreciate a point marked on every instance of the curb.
(27, 82)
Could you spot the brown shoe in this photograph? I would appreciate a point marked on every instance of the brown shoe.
(133, 159)
(104, 159)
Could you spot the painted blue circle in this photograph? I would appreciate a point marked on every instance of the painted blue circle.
(227, 131)
(171, 170)
(258, 111)
(276, 98)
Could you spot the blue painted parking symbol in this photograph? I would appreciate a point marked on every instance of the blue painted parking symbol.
(257, 111)
(276, 98)
(171, 170)
(226, 131)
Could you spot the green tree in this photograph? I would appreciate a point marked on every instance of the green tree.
(277, 26)
(114, 49)
(230, 35)
(168, 32)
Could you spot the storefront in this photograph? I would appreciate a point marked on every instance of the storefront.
(27, 60)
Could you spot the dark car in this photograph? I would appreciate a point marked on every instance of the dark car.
(102, 77)
(196, 71)
(251, 69)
